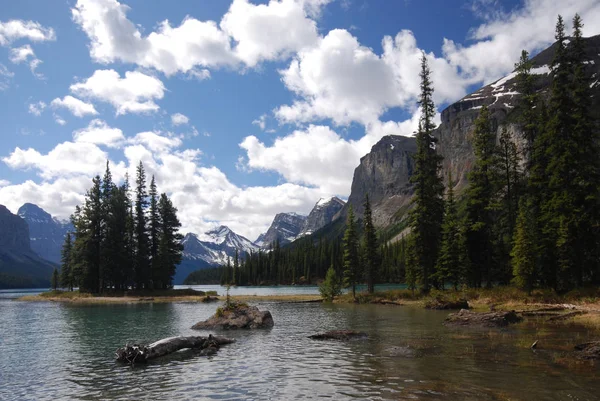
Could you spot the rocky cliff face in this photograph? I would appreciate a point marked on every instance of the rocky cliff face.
(19, 265)
(285, 228)
(384, 174)
(46, 233)
(323, 213)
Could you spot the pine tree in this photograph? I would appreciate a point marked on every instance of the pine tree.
(351, 256)
(331, 286)
(236, 268)
(66, 268)
(142, 251)
(524, 252)
(89, 238)
(55, 279)
(372, 259)
(107, 265)
(170, 249)
(479, 196)
(527, 104)
(153, 227)
(426, 216)
(449, 266)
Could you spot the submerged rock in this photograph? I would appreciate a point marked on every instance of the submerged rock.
(403, 351)
(486, 319)
(441, 304)
(238, 317)
(589, 350)
(341, 335)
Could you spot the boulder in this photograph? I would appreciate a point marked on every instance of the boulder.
(340, 335)
(441, 304)
(589, 350)
(237, 317)
(484, 319)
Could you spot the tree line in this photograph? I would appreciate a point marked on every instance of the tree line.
(122, 238)
(529, 217)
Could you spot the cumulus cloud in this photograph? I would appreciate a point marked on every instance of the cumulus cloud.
(4, 183)
(134, 93)
(179, 119)
(59, 120)
(13, 30)
(37, 108)
(258, 32)
(76, 106)
(25, 54)
(99, 133)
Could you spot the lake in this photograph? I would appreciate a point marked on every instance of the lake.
(51, 351)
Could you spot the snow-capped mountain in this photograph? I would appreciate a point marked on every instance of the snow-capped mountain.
(285, 228)
(323, 213)
(211, 249)
(47, 234)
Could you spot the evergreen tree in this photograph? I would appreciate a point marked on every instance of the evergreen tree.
(449, 266)
(153, 227)
(236, 268)
(426, 216)
(478, 199)
(170, 249)
(331, 286)
(351, 256)
(524, 252)
(527, 104)
(372, 260)
(107, 265)
(55, 279)
(142, 251)
(66, 268)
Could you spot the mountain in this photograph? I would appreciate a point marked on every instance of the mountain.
(323, 213)
(285, 228)
(19, 265)
(212, 250)
(47, 234)
(384, 173)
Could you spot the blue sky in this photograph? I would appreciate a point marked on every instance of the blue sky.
(241, 109)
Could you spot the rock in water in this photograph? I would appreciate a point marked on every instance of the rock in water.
(589, 350)
(485, 319)
(341, 335)
(238, 317)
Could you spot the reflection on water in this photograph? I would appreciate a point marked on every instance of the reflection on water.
(58, 351)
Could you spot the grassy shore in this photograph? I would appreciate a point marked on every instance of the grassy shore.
(180, 295)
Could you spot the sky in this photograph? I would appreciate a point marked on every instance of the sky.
(241, 109)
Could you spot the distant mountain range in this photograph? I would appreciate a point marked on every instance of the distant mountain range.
(20, 266)
(47, 234)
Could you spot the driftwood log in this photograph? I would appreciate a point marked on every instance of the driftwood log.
(341, 335)
(135, 353)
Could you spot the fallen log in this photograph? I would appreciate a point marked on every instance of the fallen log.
(483, 319)
(341, 335)
(135, 353)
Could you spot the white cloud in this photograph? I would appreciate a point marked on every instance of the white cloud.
(18, 29)
(268, 31)
(259, 32)
(135, 93)
(179, 119)
(37, 108)
(5, 77)
(155, 141)
(99, 133)
(199, 74)
(26, 54)
(77, 107)
(4, 183)
(261, 122)
(59, 120)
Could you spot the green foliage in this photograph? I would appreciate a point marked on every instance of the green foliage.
(109, 250)
(426, 216)
(331, 287)
(372, 259)
(55, 281)
(524, 252)
(449, 267)
(204, 276)
(351, 256)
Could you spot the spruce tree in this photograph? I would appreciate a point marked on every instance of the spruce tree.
(449, 266)
(524, 252)
(55, 281)
(426, 216)
(372, 260)
(527, 104)
(153, 226)
(170, 249)
(66, 266)
(351, 256)
(479, 196)
(142, 246)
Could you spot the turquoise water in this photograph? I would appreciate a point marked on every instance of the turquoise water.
(51, 351)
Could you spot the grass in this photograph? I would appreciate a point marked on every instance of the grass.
(171, 295)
